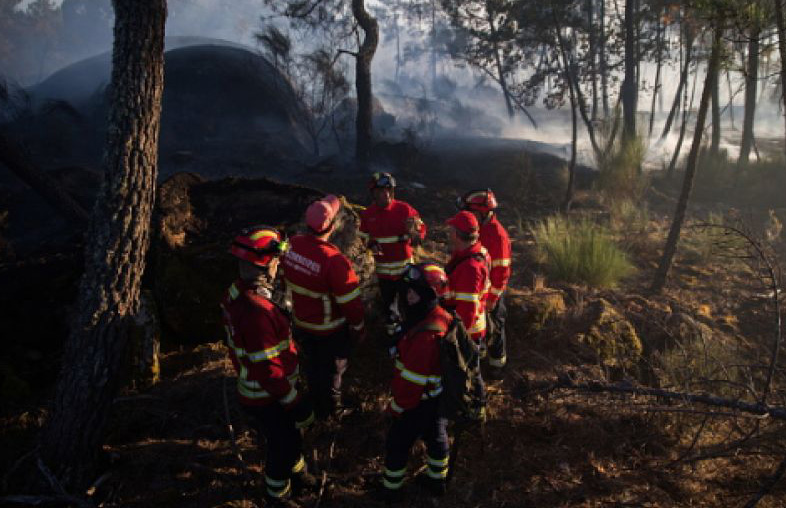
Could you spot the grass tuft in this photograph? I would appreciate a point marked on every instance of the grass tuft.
(580, 251)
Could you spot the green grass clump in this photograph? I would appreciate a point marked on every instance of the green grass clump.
(580, 251)
(619, 174)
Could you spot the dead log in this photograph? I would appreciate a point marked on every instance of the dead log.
(566, 383)
(13, 156)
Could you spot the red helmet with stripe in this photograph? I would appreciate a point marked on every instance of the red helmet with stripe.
(482, 201)
(427, 274)
(258, 245)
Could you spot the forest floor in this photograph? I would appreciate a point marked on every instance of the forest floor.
(169, 445)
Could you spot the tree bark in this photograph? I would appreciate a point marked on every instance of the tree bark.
(604, 71)
(117, 242)
(593, 57)
(365, 113)
(781, 24)
(629, 84)
(686, 107)
(716, 116)
(751, 81)
(503, 83)
(658, 66)
(690, 170)
(573, 149)
(14, 158)
(682, 83)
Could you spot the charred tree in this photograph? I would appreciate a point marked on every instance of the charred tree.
(629, 84)
(688, 38)
(690, 170)
(117, 241)
(365, 54)
(658, 66)
(751, 81)
(686, 107)
(716, 116)
(781, 24)
(498, 62)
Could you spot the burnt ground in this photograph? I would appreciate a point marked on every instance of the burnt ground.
(169, 445)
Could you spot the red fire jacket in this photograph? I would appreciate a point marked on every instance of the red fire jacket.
(322, 285)
(386, 227)
(260, 346)
(418, 374)
(468, 284)
(497, 242)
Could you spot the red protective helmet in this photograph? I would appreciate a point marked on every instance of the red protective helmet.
(427, 274)
(381, 179)
(258, 245)
(482, 201)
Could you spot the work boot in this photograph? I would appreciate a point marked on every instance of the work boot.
(433, 486)
(304, 482)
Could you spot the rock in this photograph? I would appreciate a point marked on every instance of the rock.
(533, 311)
(610, 335)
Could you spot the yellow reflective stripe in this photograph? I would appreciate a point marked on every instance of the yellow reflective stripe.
(289, 397)
(303, 291)
(392, 485)
(395, 474)
(467, 297)
(250, 393)
(409, 375)
(496, 292)
(300, 465)
(437, 462)
(275, 483)
(479, 326)
(330, 325)
(358, 326)
(432, 268)
(500, 262)
(387, 239)
(233, 292)
(395, 264)
(269, 353)
(342, 299)
(395, 407)
(308, 421)
(391, 271)
(263, 234)
(293, 377)
(277, 488)
(431, 393)
(434, 327)
(498, 362)
(437, 475)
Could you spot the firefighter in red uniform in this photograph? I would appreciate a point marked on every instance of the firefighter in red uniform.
(266, 360)
(468, 276)
(391, 229)
(495, 239)
(417, 382)
(328, 311)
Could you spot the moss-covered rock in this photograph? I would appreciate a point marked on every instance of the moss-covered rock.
(533, 311)
(610, 335)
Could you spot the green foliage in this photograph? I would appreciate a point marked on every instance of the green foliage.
(619, 166)
(580, 251)
(629, 221)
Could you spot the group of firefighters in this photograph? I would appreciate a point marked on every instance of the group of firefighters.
(324, 320)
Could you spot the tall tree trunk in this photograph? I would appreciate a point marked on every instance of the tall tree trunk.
(566, 204)
(690, 170)
(117, 241)
(365, 114)
(593, 57)
(503, 83)
(781, 24)
(658, 65)
(629, 84)
(687, 106)
(751, 80)
(683, 81)
(716, 116)
(604, 70)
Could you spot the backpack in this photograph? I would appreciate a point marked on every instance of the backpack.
(461, 391)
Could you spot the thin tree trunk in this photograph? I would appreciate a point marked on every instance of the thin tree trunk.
(604, 71)
(690, 170)
(593, 57)
(687, 106)
(658, 65)
(498, 61)
(716, 116)
(365, 113)
(573, 149)
(781, 24)
(629, 85)
(731, 98)
(117, 242)
(751, 81)
(682, 83)
(14, 158)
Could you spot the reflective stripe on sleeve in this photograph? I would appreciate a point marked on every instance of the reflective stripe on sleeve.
(411, 376)
(268, 353)
(500, 262)
(388, 239)
(289, 397)
(496, 292)
(233, 292)
(395, 407)
(346, 298)
(467, 297)
(303, 291)
(330, 325)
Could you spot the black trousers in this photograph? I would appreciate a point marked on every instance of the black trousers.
(421, 422)
(495, 338)
(326, 360)
(284, 445)
(388, 289)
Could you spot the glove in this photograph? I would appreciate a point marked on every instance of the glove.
(303, 412)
